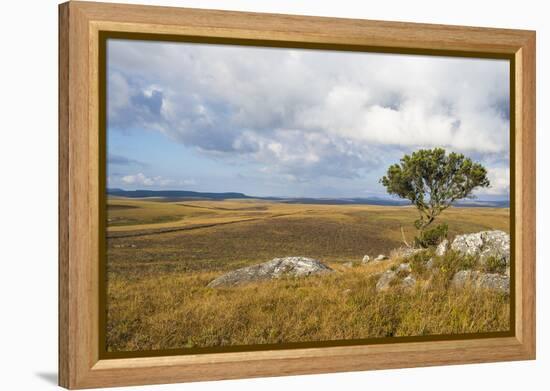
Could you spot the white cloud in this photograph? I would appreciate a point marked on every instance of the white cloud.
(141, 179)
(138, 179)
(119, 93)
(500, 181)
(305, 113)
(307, 156)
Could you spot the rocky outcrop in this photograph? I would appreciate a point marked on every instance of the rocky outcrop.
(429, 264)
(484, 245)
(480, 280)
(405, 252)
(404, 268)
(409, 252)
(441, 248)
(408, 282)
(276, 268)
(494, 245)
(385, 280)
(395, 278)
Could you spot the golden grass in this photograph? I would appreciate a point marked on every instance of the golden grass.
(157, 295)
(141, 214)
(177, 310)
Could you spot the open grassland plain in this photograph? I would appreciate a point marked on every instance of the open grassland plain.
(161, 254)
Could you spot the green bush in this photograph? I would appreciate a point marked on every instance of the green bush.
(418, 263)
(494, 265)
(451, 263)
(432, 237)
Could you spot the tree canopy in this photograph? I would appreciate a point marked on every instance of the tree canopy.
(433, 180)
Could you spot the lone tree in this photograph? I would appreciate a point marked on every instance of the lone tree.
(433, 180)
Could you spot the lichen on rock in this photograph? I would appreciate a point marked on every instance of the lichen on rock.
(484, 245)
(276, 268)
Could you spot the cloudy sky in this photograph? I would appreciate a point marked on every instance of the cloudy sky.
(287, 122)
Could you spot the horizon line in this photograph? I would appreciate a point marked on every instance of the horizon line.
(384, 197)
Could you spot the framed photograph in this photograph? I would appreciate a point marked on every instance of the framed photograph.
(246, 195)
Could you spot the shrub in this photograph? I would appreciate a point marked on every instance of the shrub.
(432, 237)
(418, 264)
(451, 263)
(494, 265)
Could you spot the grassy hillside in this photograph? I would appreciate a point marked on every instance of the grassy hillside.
(161, 255)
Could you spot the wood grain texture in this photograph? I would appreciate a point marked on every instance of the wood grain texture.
(291, 28)
(80, 24)
(525, 120)
(63, 221)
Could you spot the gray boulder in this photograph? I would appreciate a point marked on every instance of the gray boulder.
(389, 278)
(441, 248)
(385, 280)
(405, 252)
(276, 268)
(404, 267)
(381, 257)
(409, 252)
(480, 280)
(484, 245)
(408, 282)
(366, 259)
(429, 264)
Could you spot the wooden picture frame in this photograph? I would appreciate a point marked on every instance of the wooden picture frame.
(80, 26)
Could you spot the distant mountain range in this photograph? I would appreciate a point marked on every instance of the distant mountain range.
(177, 195)
(183, 194)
